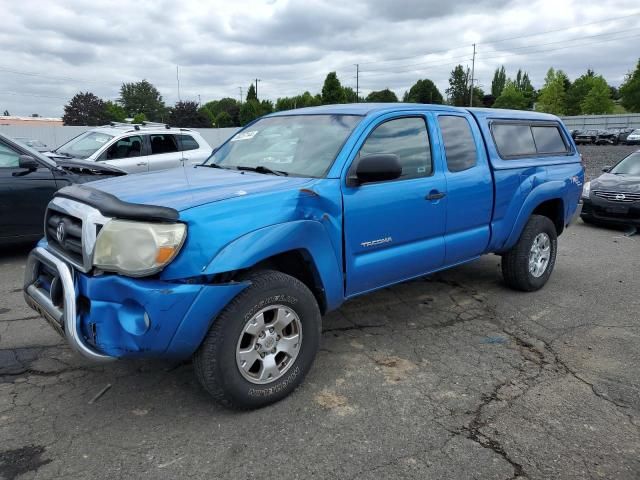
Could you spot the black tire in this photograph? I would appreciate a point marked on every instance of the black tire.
(215, 360)
(515, 263)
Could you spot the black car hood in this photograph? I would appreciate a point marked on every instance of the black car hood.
(617, 183)
(84, 167)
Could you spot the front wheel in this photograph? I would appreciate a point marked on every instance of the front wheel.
(262, 345)
(529, 263)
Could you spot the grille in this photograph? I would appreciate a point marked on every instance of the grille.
(70, 243)
(617, 196)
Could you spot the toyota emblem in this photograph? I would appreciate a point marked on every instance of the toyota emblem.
(620, 197)
(60, 233)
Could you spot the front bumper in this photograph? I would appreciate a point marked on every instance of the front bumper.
(113, 316)
(600, 210)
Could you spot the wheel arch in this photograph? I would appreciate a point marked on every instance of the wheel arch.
(301, 249)
(545, 200)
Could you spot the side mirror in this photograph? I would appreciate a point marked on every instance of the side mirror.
(378, 167)
(606, 169)
(28, 162)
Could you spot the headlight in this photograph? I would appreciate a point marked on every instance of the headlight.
(586, 190)
(137, 249)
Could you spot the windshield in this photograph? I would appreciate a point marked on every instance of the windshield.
(299, 145)
(628, 166)
(84, 145)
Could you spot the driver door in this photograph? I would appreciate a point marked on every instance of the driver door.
(394, 229)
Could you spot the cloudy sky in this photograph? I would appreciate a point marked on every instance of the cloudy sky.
(53, 49)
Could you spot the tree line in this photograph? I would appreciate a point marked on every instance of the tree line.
(588, 94)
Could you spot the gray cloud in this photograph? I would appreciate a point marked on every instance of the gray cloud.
(93, 45)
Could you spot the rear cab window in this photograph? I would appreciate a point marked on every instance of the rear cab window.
(459, 144)
(523, 139)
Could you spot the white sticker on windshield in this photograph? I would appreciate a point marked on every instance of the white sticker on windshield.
(102, 139)
(244, 135)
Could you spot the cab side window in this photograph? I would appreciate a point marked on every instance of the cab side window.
(9, 158)
(408, 139)
(163, 143)
(125, 148)
(459, 144)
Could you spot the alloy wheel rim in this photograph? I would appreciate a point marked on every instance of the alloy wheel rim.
(269, 344)
(539, 255)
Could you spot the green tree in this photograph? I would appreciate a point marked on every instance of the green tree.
(598, 100)
(142, 97)
(229, 105)
(249, 111)
(523, 84)
(210, 116)
(251, 93)
(224, 120)
(85, 109)
(578, 91)
(187, 114)
(139, 118)
(499, 82)
(382, 96)
(458, 91)
(299, 101)
(423, 91)
(511, 97)
(350, 95)
(114, 111)
(552, 96)
(630, 90)
(332, 91)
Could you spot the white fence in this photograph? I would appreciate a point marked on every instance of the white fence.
(54, 136)
(585, 122)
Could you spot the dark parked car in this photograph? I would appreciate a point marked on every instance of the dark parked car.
(621, 134)
(586, 136)
(606, 137)
(28, 181)
(614, 197)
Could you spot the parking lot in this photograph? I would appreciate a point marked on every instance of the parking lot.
(449, 376)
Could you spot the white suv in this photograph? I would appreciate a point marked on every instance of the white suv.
(137, 147)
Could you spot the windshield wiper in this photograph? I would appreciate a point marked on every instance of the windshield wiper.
(263, 169)
(211, 165)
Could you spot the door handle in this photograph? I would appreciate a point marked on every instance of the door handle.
(141, 164)
(435, 195)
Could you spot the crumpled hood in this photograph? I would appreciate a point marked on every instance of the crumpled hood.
(182, 188)
(617, 183)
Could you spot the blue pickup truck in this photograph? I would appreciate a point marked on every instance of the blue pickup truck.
(234, 261)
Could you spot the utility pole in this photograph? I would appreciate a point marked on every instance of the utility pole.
(257, 80)
(240, 88)
(357, 83)
(199, 100)
(178, 79)
(473, 66)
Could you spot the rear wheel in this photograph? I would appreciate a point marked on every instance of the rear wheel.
(529, 263)
(262, 345)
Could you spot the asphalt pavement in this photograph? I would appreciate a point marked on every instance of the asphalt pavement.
(451, 376)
